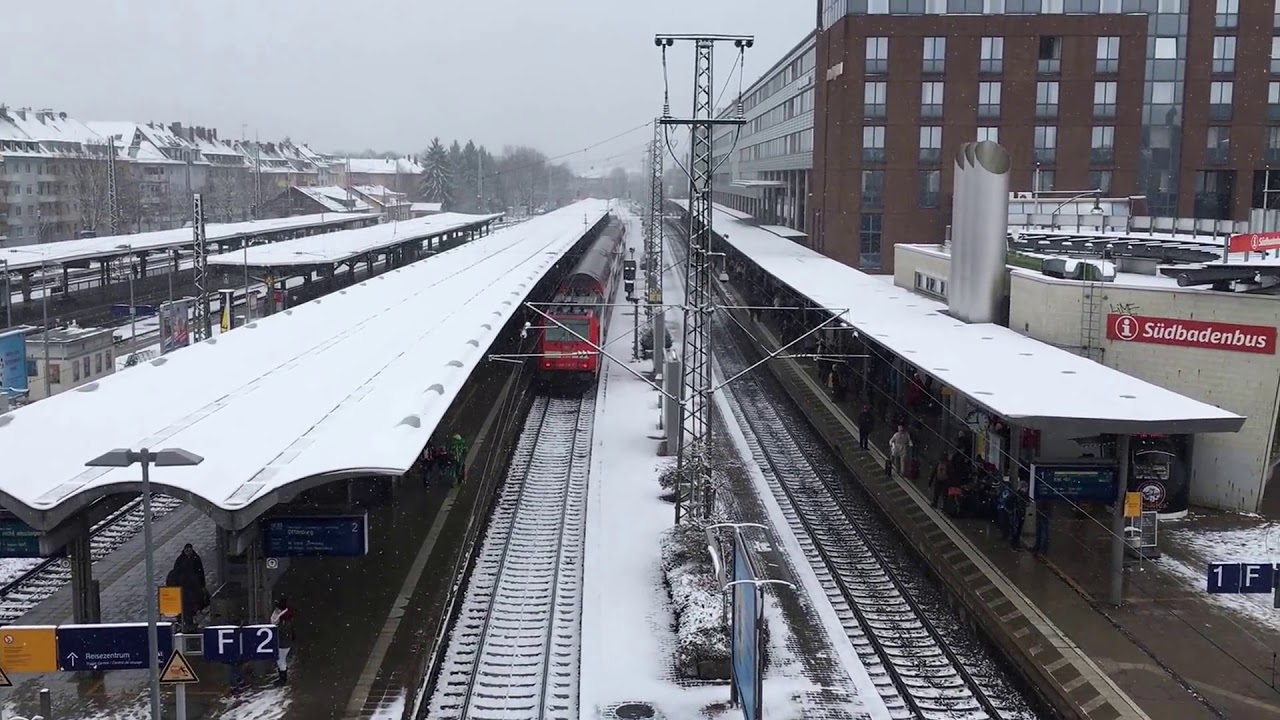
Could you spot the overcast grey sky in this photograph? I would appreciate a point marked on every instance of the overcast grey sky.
(388, 74)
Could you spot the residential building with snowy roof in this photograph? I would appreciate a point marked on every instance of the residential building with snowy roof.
(401, 174)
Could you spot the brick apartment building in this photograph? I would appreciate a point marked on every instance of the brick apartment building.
(1176, 100)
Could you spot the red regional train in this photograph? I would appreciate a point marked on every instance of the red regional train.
(565, 359)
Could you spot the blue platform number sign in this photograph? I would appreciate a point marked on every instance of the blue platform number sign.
(121, 646)
(235, 644)
(332, 536)
(13, 362)
(1241, 578)
(745, 639)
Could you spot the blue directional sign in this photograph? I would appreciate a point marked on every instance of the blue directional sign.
(335, 535)
(118, 646)
(234, 644)
(18, 539)
(1076, 482)
(1241, 578)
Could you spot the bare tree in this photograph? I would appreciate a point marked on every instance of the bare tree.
(88, 185)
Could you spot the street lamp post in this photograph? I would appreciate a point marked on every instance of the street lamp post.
(171, 457)
(44, 311)
(133, 309)
(247, 314)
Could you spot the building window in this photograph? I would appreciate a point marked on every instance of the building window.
(1047, 99)
(1273, 100)
(55, 374)
(989, 99)
(931, 99)
(930, 145)
(1108, 55)
(1218, 146)
(932, 286)
(75, 371)
(97, 364)
(988, 133)
(1224, 54)
(873, 144)
(874, 97)
(877, 55)
(1213, 194)
(1273, 144)
(1102, 149)
(1275, 53)
(1050, 58)
(992, 58)
(872, 189)
(1228, 15)
(930, 187)
(935, 54)
(1100, 180)
(1220, 99)
(1046, 144)
(1104, 99)
(1044, 180)
(86, 367)
(869, 241)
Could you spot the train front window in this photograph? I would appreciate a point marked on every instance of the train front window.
(555, 333)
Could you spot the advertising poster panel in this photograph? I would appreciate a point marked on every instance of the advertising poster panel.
(745, 654)
(175, 325)
(13, 361)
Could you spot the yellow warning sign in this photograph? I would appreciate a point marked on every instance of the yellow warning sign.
(170, 601)
(4, 679)
(1133, 504)
(29, 649)
(177, 670)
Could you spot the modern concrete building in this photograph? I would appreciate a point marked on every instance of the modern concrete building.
(764, 166)
(1177, 100)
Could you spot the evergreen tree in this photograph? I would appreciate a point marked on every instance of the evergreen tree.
(466, 192)
(456, 192)
(436, 174)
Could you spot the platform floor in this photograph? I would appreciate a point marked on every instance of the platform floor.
(362, 625)
(1173, 650)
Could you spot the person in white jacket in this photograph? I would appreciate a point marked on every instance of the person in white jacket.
(899, 447)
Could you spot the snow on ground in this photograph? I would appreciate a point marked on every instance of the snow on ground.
(1258, 544)
(11, 568)
(627, 636)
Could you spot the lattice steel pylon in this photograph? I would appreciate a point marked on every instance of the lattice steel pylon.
(653, 231)
(113, 188)
(204, 321)
(693, 436)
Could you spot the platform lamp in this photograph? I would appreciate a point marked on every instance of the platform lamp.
(169, 457)
(133, 308)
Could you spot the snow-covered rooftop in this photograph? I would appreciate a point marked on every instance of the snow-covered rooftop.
(1023, 380)
(339, 246)
(33, 256)
(425, 207)
(381, 166)
(335, 198)
(349, 385)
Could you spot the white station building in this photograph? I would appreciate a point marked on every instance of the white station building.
(1163, 307)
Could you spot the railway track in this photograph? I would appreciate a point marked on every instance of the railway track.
(47, 576)
(514, 649)
(924, 662)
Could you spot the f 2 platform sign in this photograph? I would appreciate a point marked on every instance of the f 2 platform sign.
(1241, 578)
(324, 536)
(236, 644)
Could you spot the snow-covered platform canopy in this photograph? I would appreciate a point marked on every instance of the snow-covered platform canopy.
(52, 254)
(339, 247)
(348, 385)
(1015, 377)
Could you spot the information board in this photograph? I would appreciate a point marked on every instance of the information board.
(333, 536)
(1077, 482)
(18, 539)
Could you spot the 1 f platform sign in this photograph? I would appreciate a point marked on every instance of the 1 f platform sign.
(1241, 578)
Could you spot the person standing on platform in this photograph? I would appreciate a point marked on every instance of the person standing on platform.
(188, 573)
(1017, 515)
(282, 618)
(899, 447)
(866, 422)
(1044, 516)
(458, 449)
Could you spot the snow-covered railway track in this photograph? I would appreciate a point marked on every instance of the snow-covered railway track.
(514, 649)
(46, 577)
(922, 665)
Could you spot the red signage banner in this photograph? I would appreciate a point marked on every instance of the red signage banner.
(1258, 339)
(1254, 242)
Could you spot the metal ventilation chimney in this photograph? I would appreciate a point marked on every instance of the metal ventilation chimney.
(980, 226)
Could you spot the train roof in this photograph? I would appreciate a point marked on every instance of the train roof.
(594, 263)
